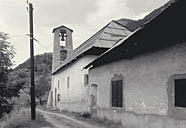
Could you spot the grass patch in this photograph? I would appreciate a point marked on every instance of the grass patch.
(22, 119)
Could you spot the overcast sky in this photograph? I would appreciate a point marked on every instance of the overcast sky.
(85, 17)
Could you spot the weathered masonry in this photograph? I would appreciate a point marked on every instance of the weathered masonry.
(69, 87)
(141, 81)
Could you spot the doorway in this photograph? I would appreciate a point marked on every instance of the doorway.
(55, 97)
(93, 100)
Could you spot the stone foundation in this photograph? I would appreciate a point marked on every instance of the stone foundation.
(78, 106)
(132, 120)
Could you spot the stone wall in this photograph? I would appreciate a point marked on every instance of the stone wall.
(75, 96)
(57, 48)
(132, 120)
(148, 83)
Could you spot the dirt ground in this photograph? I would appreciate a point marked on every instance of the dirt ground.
(59, 122)
(62, 121)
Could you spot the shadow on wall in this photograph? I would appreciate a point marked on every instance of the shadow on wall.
(131, 120)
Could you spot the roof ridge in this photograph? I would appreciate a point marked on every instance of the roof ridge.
(162, 9)
(87, 43)
(81, 45)
(62, 26)
(170, 3)
(122, 25)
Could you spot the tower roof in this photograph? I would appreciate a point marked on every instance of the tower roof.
(103, 39)
(62, 26)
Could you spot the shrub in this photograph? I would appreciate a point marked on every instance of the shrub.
(21, 119)
(17, 119)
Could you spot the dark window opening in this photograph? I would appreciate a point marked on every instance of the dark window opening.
(180, 92)
(117, 93)
(58, 97)
(63, 35)
(55, 96)
(68, 81)
(63, 55)
(58, 85)
(86, 79)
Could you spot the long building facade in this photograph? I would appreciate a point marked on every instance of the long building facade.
(70, 83)
(141, 81)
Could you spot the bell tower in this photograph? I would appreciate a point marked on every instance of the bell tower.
(62, 45)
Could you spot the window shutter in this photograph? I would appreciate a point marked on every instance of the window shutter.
(120, 93)
(114, 93)
(180, 93)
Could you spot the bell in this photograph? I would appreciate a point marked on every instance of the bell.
(63, 35)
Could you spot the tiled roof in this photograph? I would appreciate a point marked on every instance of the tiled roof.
(156, 12)
(104, 38)
(143, 22)
(128, 23)
(62, 27)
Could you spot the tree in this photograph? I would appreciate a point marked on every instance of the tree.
(7, 89)
(42, 87)
(7, 51)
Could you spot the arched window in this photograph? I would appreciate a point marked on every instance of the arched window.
(58, 85)
(117, 91)
(68, 82)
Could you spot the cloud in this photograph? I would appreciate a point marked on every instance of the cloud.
(142, 6)
(141, 16)
(57, 12)
(71, 13)
(85, 17)
(47, 15)
(109, 10)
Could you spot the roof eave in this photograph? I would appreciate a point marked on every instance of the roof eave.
(62, 26)
(125, 39)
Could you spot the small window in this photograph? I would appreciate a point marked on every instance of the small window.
(180, 92)
(117, 93)
(86, 79)
(68, 82)
(55, 96)
(58, 97)
(58, 84)
(63, 55)
(63, 35)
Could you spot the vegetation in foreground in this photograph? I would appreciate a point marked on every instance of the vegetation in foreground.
(15, 83)
(21, 119)
(8, 88)
(15, 87)
(43, 66)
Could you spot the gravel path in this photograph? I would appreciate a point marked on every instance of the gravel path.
(62, 121)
